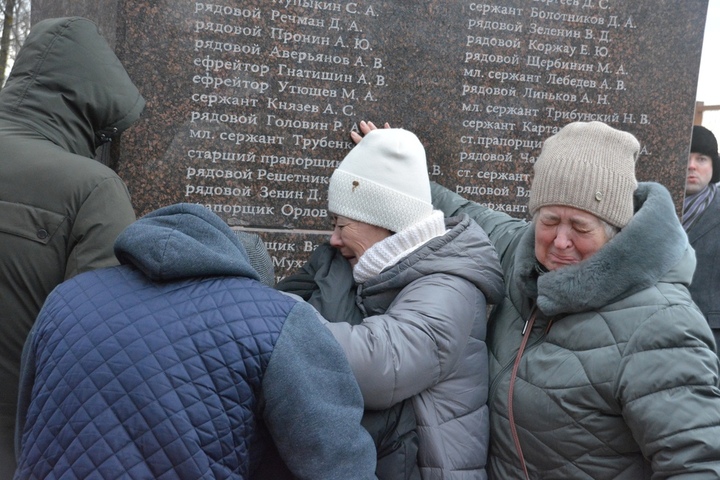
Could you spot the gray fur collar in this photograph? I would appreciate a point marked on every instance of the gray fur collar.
(647, 249)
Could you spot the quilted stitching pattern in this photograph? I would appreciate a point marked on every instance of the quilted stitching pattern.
(151, 381)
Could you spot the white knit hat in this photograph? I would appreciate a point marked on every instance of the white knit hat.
(588, 166)
(383, 181)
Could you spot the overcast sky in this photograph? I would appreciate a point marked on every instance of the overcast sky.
(709, 81)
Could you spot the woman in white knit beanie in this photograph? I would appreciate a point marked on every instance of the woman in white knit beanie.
(423, 284)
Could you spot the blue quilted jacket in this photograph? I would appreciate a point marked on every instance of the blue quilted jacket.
(180, 364)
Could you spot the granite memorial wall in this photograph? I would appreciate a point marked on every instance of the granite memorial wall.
(250, 103)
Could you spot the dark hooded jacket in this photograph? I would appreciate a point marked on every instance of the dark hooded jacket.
(704, 235)
(60, 210)
(618, 379)
(181, 364)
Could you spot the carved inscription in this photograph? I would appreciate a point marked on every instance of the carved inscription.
(255, 100)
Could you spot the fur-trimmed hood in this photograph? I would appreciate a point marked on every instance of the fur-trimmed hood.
(653, 247)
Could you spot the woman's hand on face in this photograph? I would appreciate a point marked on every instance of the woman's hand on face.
(365, 128)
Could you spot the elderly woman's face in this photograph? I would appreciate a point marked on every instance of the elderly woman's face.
(353, 238)
(565, 236)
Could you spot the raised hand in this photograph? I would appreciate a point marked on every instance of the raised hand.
(365, 128)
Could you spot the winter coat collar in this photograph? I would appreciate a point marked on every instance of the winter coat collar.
(181, 241)
(707, 222)
(390, 250)
(464, 251)
(651, 248)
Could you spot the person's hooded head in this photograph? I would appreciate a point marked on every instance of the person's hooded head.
(68, 85)
(187, 240)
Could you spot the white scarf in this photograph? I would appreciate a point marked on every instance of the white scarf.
(389, 251)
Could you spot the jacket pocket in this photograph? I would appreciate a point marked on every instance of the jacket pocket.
(29, 222)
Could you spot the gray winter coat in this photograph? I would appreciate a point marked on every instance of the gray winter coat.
(424, 337)
(619, 379)
(60, 210)
(326, 282)
(704, 236)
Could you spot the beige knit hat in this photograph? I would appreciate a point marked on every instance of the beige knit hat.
(589, 166)
(383, 181)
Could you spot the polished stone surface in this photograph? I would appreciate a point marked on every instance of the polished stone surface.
(250, 103)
